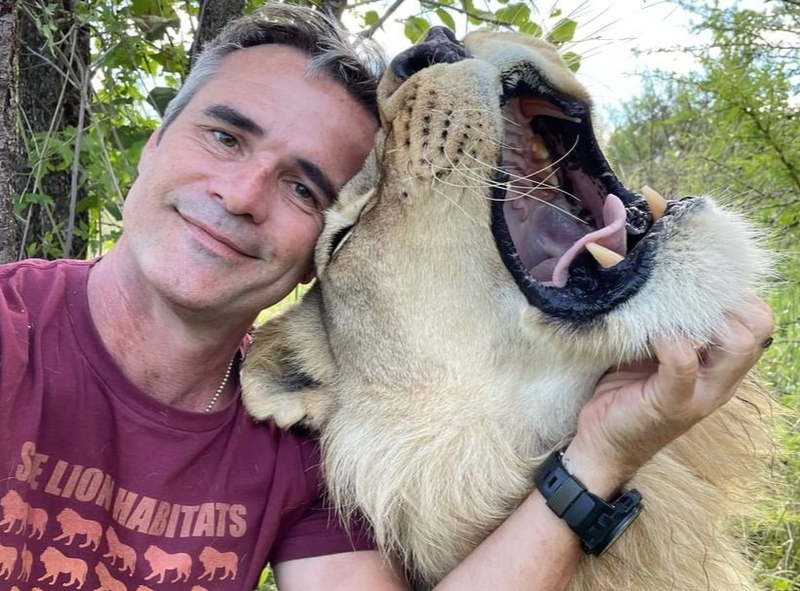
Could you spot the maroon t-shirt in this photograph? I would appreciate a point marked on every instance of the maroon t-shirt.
(102, 486)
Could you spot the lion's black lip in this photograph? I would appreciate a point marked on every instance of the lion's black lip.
(591, 291)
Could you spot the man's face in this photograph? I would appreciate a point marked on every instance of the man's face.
(229, 202)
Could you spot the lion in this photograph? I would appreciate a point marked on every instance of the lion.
(26, 562)
(160, 562)
(459, 322)
(107, 580)
(212, 560)
(15, 509)
(116, 549)
(55, 563)
(8, 558)
(72, 524)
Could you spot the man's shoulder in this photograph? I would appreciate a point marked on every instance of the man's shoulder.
(30, 273)
(38, 277)
(36, 292)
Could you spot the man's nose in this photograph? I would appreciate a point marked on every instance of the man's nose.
(246, 189)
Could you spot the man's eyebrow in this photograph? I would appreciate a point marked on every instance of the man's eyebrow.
(234, 118)
(319, 178)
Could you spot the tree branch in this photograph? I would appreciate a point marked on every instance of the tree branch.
(368, 33)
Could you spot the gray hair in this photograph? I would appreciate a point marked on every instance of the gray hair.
(356, 67)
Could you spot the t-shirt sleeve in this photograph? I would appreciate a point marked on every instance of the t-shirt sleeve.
(318, 530)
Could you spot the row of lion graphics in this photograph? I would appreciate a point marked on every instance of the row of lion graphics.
(22, 522)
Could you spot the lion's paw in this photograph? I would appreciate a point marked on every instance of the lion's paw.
(285, 410)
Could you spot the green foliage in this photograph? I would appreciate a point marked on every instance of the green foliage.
(732, 129)
(139, 56)
(133, 44)
(415, 28)
(267, 581)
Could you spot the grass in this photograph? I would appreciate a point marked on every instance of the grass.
(777, 536)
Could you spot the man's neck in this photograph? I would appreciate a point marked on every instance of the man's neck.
(168, 353)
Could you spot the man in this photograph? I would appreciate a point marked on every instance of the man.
(126, 454)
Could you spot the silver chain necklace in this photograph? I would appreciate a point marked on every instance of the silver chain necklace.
(221, 387)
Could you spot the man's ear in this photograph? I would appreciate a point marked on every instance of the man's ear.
(149, 148)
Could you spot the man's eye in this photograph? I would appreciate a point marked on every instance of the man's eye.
(225, 139)
(304, 193)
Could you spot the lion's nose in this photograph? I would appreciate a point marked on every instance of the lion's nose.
(438, 46)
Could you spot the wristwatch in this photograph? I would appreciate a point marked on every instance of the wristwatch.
(596, 522)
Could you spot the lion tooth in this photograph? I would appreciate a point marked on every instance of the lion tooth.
(655, 202)
(539, 149)
(605, 256)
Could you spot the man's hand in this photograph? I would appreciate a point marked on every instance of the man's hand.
(637, 409)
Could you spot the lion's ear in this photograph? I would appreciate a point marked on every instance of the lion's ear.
(283, 378)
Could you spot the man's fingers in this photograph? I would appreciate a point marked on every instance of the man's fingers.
(740, 342)
(756, 315)
(737, 348)
(673, 385)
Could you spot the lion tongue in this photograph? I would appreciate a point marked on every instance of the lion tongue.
(611, 235)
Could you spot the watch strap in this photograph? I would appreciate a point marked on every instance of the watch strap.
(596, 522)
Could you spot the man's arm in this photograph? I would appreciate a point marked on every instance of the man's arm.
(511, 558)
(635, 411)
(348, 571)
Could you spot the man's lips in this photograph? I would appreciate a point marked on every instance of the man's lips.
(204, 229)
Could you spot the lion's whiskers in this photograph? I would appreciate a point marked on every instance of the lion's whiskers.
(537, 184)
(515, 179)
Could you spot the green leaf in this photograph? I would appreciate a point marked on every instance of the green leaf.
(371, 17)
(160, 97)
(514, 14)
(37, 198)
(531, 28)
(469, 9)
(563, 32)
(573, 60)
(144, 7)
(154, 27)
(446, 18)
(112, 208)
(415, 28)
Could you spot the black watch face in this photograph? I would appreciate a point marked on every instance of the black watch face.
(617, 530)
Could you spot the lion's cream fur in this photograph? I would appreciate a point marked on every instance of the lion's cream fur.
(437, 387)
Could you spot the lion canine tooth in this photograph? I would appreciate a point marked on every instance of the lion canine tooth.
(655, 202)
(605, 256)
(538, 148)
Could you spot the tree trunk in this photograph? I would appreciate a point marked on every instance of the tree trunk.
(214, 14)
(9, 245)
(52, 91)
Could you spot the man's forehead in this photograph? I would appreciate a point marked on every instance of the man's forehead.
(265, 58)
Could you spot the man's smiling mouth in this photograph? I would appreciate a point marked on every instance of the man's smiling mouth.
(212, 240)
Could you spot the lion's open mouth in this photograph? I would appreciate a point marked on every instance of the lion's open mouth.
(555, 200)
(561, 201)
(553, 207)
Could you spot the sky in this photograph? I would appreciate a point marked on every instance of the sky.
(609, 33)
